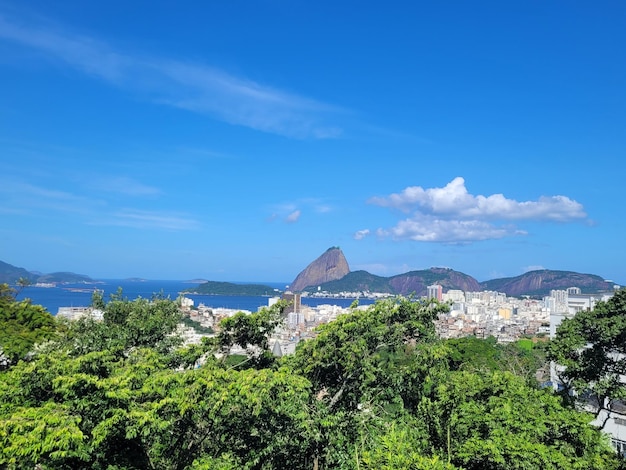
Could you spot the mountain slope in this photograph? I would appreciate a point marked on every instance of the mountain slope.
(358, 281)
(541, 282)
(330, 266)
(9, 274)
(534, 283)
(414, 282)
(417, 281)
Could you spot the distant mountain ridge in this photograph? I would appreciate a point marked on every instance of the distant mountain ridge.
(10, 274)
(330, 272)
(542, 281)
(532, 283)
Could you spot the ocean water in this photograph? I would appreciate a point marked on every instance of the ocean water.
(79, 295)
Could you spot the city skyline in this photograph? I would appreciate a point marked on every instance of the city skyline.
(237, 142)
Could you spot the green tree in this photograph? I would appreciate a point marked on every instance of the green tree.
(345, 361)
(523, 357)
(397, 447)
(366, 364)
(495, 421)
(22, 325)
(250, 331)
(590, 350)
(474, 354)
(107, 395)
(374, 389)
(127, 324)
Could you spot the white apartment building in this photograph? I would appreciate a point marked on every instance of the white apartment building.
(454, 295)
(613, 424)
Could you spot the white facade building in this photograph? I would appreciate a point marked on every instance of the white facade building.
(613, 424)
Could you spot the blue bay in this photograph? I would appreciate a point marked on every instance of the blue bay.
(79, 295)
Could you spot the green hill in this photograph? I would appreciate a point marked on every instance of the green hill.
(229, 288)
(64, 277)
(9, 274)
(357, 281)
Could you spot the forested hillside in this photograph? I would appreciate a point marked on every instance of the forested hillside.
(375, 389)
(230, 288)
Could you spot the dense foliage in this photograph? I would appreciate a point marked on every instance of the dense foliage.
(22, 326)
(590, 349)
(374, 390)
(525, 358)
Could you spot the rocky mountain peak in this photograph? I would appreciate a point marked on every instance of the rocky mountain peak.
(331, 266)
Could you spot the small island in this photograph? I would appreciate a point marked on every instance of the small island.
(230, 288)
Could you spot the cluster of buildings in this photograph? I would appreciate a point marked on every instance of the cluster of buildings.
(481, 314)
(74, 313)
(565, 304)
(490, 313)
(300, 321)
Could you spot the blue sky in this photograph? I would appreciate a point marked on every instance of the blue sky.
(239, 140)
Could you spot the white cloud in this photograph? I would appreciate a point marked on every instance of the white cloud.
(453, 200)
(452, 215)
(293, 217)
(191, 86)
(432, 229)
(361, 234)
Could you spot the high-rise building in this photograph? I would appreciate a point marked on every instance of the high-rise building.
(435, 292)
(294, 302)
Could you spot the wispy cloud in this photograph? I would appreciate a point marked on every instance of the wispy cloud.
(191, 86)
(293, 217)
(35, 200)
(84, 53)
(124, 185)
(23, 197)
(291, 212)
(318, 205)
(451, 214)
(244, 102)
(149, 220)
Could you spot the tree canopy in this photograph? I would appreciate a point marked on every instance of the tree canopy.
(590, 350)
(374, 389)
(23, 325)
